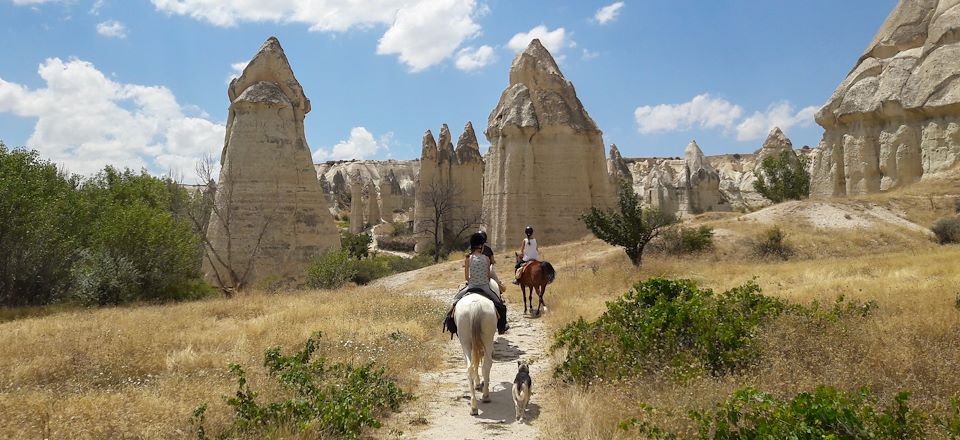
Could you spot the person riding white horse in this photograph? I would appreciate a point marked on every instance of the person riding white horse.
(477, 274)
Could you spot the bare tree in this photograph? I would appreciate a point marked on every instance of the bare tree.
(449, 218)
(230, 268)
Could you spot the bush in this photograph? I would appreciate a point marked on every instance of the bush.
(772, 244)
(325, 398)
(783, 177)
(369, 269)
(331, 270)
(947, 230)
(682, 240)
(357, 245)
(402, 243)
(398, 264)
(664, 324)
(824, 413)
(631, 228)
(115, 221)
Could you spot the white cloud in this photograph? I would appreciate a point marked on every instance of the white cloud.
(236, 69)
(361, 145)
(555, 40)
(703, 111)
(471, 58)
(608, 13)
(86, 121)
(95, 9)
(33, 2)
(777, 115)
(422, 33)
(589, 55)
(112, 29)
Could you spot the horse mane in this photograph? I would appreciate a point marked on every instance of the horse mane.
(547, 269)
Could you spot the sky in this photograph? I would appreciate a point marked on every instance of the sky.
(142, 83)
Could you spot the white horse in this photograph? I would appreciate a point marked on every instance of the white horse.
(476, 321)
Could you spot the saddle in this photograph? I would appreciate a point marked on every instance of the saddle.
(450, 325)
(524, 266)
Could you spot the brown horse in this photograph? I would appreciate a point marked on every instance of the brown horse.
(535, 276)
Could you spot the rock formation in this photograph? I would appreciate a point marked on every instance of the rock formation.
(896, 117)
(546, 163)
(450, 179)
(775, 144)
(270, 218)
(681, 186)
(373, 205)
(356, 204)
(405, 171)
(617, 167)
(391, 195)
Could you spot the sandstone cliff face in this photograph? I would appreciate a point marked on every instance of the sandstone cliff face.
(896, 117)
(546, 163)
(617, 168)
(373, 205)
(450, 179)
(391, 196)
(272, 214)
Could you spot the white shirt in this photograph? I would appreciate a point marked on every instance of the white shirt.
(530, 249)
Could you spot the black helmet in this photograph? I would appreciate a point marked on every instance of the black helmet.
(484, 234)
(529, 230)
(477, 240)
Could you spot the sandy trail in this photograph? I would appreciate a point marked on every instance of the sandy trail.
(444, 397)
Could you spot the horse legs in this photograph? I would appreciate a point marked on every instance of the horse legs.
(540, 291)
(486, 365)
(523, 293)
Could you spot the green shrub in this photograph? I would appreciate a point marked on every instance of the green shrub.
(824, 413)
(357, 245)
(947, 230)
(666, 325)
(400, 229)
(100, 279)
(398, 264)
(951, 421)
(783, 177)
(325, 398)
(772, 243)
(331, 270)
(682, 240)
(401, 243)
(369, 269)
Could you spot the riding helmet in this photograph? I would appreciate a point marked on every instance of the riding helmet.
(529, 230)
(477, 240)
(484, 234)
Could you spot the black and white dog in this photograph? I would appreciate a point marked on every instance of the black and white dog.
(522, 386)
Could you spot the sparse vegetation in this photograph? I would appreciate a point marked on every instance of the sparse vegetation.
(631, 228)
(772, 243)
(783, 177)
(321, 397)
(947, 230)
(686, 240)
(331, 270)
(357, 245)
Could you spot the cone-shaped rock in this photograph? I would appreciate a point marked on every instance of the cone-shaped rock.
(373, 205)
(702, 182)
(546, 163)
(270, 218)
(896, 117)
(468, 177)
(427, 180)
(775, 144)
(617, 167)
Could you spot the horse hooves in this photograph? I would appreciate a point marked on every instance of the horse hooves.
(485, 399)
(474, 412)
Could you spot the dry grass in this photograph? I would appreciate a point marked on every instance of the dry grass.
(912, 342)
(138, 372)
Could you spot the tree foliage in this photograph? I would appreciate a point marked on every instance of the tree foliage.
(783, 177)
(114, 237)
(631, 227)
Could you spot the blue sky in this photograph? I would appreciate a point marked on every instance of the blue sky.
(143, 83)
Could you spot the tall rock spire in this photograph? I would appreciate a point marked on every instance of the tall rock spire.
(546, 163)
(270, 218)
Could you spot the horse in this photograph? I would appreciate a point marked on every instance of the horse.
(535, 276)
(476, 320)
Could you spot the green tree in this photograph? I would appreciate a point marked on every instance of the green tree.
(632, 227)
(783, 177)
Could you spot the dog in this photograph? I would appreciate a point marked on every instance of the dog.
(522, 388)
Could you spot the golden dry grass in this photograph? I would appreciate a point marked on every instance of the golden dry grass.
(912, 342)
(138, 372)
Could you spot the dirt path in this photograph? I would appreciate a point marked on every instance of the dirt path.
(446, 396)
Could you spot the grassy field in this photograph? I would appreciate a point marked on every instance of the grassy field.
(138, 372)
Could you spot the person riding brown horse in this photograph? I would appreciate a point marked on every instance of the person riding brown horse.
(532, 273)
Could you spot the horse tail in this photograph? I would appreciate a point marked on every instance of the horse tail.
(548, 271)
(477, 336)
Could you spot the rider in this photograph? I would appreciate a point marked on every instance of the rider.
(476, 272)
(529, 251)
(489, 253)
